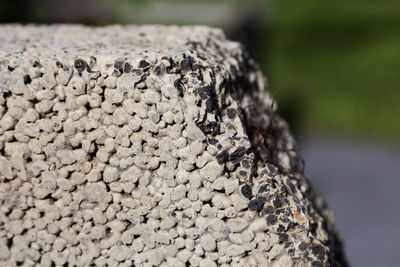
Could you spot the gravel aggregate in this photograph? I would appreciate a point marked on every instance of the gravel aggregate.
(148, 146)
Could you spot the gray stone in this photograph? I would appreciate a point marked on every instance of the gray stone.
(148, 146)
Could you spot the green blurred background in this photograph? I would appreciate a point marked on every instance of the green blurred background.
(334, 69)
(333, 65)
(339, 59)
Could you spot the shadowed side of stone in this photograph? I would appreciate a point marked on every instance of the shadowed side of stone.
(148, 145)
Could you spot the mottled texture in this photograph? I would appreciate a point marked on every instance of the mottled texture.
(148, 146)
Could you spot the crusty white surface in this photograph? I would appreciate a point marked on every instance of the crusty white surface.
(147, 146)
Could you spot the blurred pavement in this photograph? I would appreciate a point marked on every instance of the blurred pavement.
(361, 182)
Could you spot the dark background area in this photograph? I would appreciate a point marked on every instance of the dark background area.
(334, 69)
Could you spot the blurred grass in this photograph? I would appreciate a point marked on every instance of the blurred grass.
(332, 65)
(337, 63)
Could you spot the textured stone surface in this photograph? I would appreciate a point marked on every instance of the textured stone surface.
(148, 146)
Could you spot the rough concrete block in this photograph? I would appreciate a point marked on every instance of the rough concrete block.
(148, 146)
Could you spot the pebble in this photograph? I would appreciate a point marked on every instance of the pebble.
(193, 132)
(96, 192)
(155, 257)
(207, 263)
(237, 224)
(208, 242)
(211, 171)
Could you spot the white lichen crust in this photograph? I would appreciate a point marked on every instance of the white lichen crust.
(148, 146)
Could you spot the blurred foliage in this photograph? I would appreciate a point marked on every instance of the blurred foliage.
(332, 65)
(337, 63)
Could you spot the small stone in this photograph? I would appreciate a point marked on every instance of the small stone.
(110, 174)
(151, 96)
(211, 171)
(59, 244)
(96, 192)
(59, 258)
(7, 122)
(193, 132)
(4, 251)
(119, 253)
(131, 107)
(119, 117)
(155, 257)
(207, 263)
(5, 168)
(44, 189)
(197, 147)
(77, 178)
(207, 242)
(236, 225)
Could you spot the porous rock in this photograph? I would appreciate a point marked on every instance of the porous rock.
(148, 146)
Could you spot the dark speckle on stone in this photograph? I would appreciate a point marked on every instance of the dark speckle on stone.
(178, 85)
(195, 67)
(246, 164)
(138, 72)
(269, 210)
(157, 70)
(281, 228)
(209, 106)
(127, 67)
(116, 73)
(187, 63)
(230, 126)
(237, 154)
(143, 64)
(118, 64)
(247, 191)
(278, 211)
(37, 64)
(303, 246)
(283, 237)
(59, 64)
(233, 70)
(213, 141)
(231, 113)
(284, 189)
(317, 264)
(278, 202)
(222, 157)
(253, 171)
(213, 128)
(292, 187)
(257, 204)
(204, 92)
(288, 245)
(271, 219)
(80, 65)
(291, 225)
(272, 170)
(243, 173)
(317, 250)
(253, 205)
(27, 79)
(263, 189)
